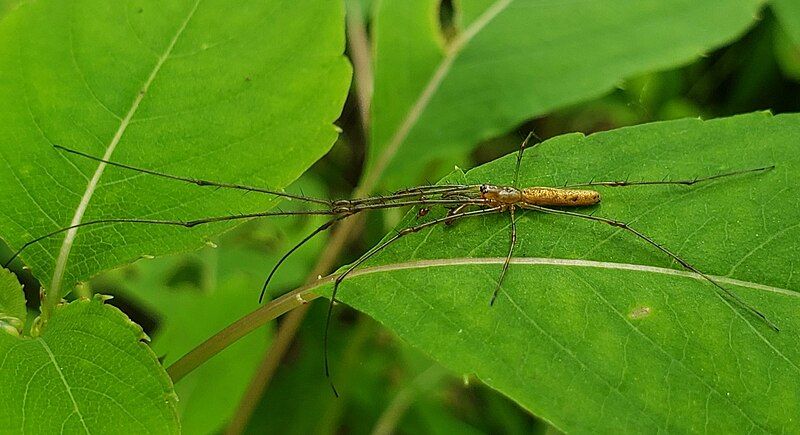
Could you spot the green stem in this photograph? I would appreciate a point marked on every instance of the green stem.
(49, 301)
(238, 329)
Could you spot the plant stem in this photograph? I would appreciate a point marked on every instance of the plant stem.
(393, 413)
(362, 62)
(242, 327)
(266, 370)
(285, 336)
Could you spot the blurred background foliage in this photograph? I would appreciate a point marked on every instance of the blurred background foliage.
(388, 386)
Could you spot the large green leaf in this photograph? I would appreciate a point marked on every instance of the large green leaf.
(596, 330)
(514, 60)
(89, 372)
(237, 93)
(6, 6)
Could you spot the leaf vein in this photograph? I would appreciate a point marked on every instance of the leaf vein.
(659, 348)
(69, 239)
(430, 89)
(64, 381)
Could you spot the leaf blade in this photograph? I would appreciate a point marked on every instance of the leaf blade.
(639, 347)
(93, 375)
(788, 14)
(222, 95)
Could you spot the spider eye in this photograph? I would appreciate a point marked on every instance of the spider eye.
(484, 188)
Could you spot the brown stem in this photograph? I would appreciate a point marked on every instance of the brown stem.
(266, 370)
(361, 56)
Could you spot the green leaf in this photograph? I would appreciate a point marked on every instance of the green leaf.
(514, 60)
(8, 5)
(788, 12)
(198, 88)
(594, 329)
(786, 38)
(89, 372)
(12, 303)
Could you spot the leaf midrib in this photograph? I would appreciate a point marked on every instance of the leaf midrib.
(431, 87)
(68, 389)
(69, 238)
(532, 322)
(564, 262)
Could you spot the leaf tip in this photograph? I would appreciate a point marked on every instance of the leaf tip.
(102, 298)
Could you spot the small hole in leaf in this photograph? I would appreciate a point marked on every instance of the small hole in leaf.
(640, 312)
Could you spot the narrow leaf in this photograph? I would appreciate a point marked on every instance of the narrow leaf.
(512, 60)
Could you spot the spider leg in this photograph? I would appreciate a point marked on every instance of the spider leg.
(376, 249)
(732, 296)
(512, 244)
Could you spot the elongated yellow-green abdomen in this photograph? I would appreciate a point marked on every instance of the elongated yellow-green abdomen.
(550, 196)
